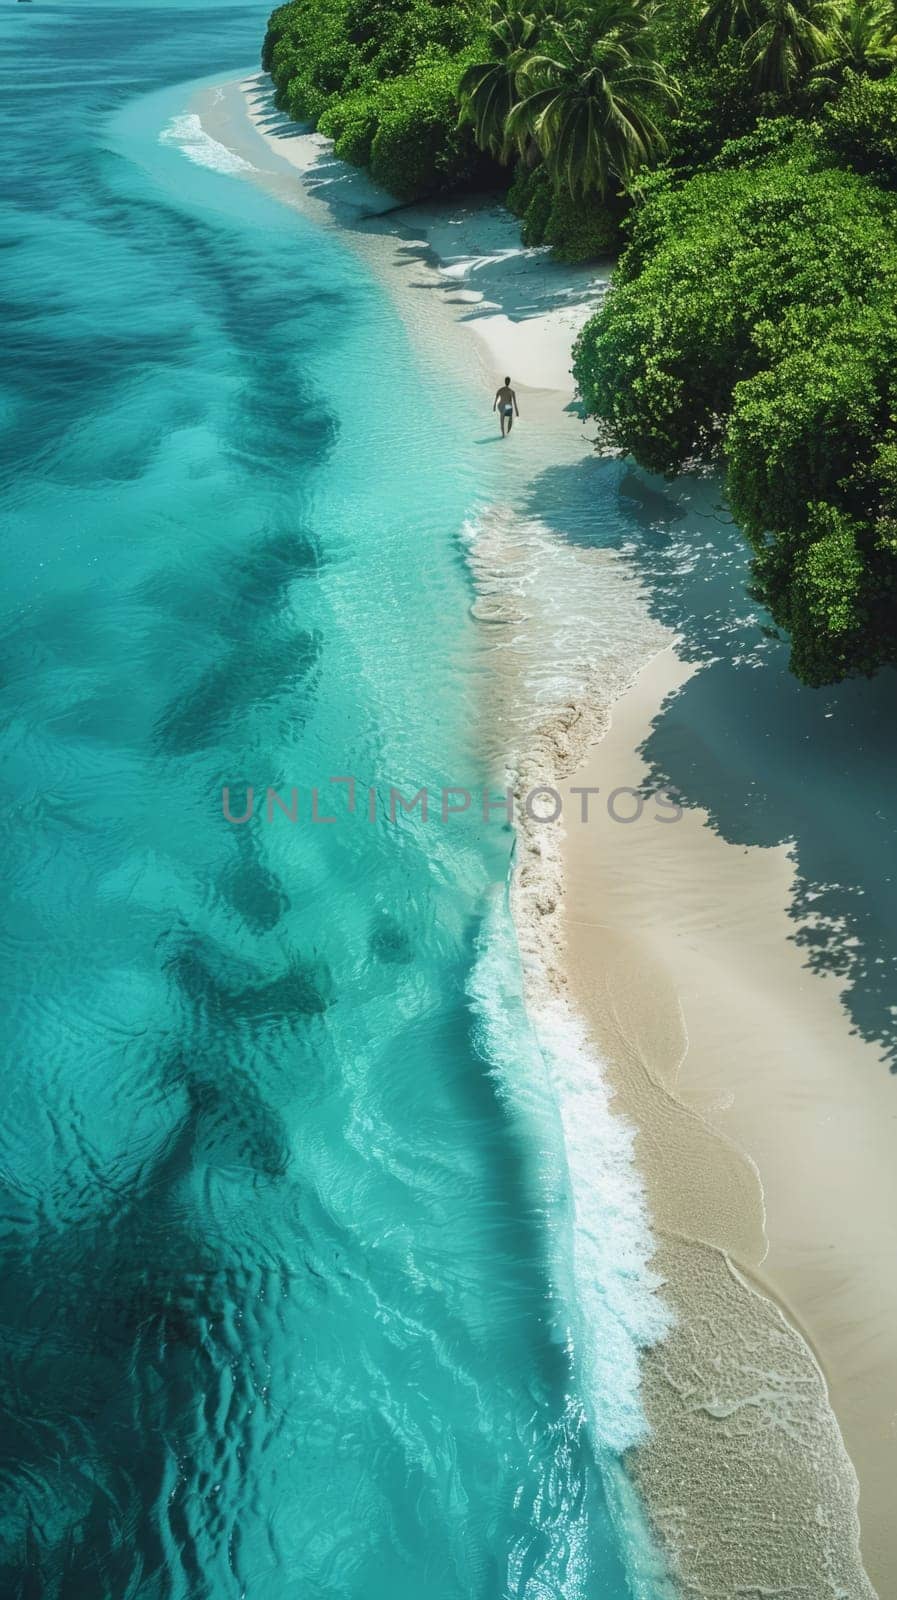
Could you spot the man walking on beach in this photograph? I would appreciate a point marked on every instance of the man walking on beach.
(506, 402)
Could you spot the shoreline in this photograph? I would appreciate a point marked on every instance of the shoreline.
(669, 1076)
(509, 303)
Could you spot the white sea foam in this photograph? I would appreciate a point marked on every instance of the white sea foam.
(188, 134)
(601, 1241)
(567, 631)
(620, 1311)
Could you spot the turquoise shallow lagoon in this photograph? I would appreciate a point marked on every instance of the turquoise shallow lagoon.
(280, 1308)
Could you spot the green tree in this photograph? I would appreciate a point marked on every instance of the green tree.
(864, 38)
(753, 321)
(489, 88)
(793, 37)
(723, 20)
(861, 126)
(418, 148)
(589, 102)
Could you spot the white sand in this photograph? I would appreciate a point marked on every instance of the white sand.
(769, 1147)
(522, 309)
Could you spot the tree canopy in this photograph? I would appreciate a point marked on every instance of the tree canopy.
(753, 320)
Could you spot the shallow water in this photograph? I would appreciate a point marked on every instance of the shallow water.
(282, 1311)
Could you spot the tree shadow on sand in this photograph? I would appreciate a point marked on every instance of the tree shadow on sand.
(520, 283)
(771, 761)
(473, 239)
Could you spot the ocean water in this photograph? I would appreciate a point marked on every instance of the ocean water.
(283, 1303)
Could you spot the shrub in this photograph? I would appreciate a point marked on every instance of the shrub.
(351, 122)
(755, 314)
(418, 148)
(800, 429)
(861, 127)
(311, 61)
(819, 588)
(522, 187)
(715, 265)
(278, 25)
(716, 104)
(380, 78)
(529, 197)
(576, 230)
(779, 138)
(581, 230)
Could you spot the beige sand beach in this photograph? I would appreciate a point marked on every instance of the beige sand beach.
(681, 956)
(765, 1130)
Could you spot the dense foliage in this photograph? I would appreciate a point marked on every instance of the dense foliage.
(435, 96)
(754, 317)
(861, 127)
(577, 89)
(746, 151)
(381, 78)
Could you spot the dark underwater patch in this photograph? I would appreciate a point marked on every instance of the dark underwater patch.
(254, 893)
(246, 680)
(259, 582)
(388, 941)
(221, 989)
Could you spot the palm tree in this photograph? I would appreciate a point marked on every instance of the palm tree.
(865, 37)
(729, 19)
(793, 38)
(488, 89)
(588, 104)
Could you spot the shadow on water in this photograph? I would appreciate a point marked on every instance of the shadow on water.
(242, 683)
(771, 761)
(121, 1320)
(252, 891)
(222, 993)
(141, 1326)
(250, 592)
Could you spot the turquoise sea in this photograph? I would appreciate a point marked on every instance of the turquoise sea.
(306, 1289)
(280, 1295)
